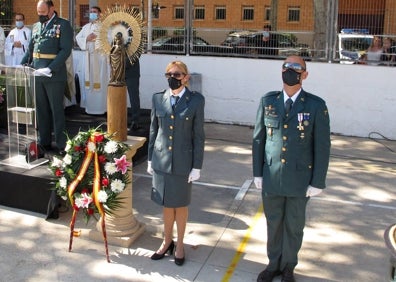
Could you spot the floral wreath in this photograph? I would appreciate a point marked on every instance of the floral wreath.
(91, 175)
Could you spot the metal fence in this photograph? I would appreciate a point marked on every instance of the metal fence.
(339, 31)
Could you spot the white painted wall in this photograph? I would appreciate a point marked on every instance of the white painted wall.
(361, 99)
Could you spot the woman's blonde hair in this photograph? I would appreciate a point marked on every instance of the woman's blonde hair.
(179, 64)
(182, 66)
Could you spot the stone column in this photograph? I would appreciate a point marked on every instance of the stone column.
(122, 228)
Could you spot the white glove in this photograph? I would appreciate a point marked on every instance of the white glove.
(258, 181)
(149, 168)
(312, 191)
(194, 175)
(43, 72)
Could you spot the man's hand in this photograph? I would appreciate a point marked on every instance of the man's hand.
(17, 44)
(149, 168)
(258, 181)
(91, 37)
(312, 191)
(194, 175)
(43, 72)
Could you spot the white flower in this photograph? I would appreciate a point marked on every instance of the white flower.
(67, 159)
(63, 182)
(91, 146)
(102, 196)
(111, 147)
(64, 198)
(78, 202)
(56, 162)
(68, 146)
(110, 168)
(117, 186)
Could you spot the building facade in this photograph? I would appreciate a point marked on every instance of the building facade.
(291, 15)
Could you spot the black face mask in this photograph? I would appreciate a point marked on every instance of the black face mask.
(43, 19)
(174, 83)
(291, 77)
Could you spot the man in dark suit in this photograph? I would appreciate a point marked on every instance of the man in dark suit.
(291, 149)
(132, 79)
(49, 48)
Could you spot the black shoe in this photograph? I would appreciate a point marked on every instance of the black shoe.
(47, 148)
(134, 126)
(60, 152)
(170, 248)
(268, 275)
(179, 261)
(288, 276)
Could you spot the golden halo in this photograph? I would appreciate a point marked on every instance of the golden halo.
(128, 22)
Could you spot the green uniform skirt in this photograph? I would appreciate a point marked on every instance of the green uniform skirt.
(171, 191)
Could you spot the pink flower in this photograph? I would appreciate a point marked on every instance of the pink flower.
(84, 201)
(122, 164)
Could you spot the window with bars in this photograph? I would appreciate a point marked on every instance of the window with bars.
(267, 13)
(6, 15)
(84, 14)
(179, 12)
(293, 14)
(199, 12)
(220, 13)
(247, 13)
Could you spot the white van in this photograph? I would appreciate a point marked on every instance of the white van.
(352, 44)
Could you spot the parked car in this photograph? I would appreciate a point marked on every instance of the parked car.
(251, 42)
(176, 44)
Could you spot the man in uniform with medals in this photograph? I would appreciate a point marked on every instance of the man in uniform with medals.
(291, 150)
(49, 48)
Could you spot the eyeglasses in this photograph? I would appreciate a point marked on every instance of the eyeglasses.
(293, 66)
(174, 74)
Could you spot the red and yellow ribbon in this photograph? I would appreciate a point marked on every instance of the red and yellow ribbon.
(96, 188)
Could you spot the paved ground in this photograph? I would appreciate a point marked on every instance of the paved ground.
(226, 234)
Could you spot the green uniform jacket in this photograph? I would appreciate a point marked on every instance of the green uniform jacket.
(289, 157)
(177, 138)
(55, 39)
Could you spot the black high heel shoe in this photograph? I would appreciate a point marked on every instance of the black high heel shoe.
(170, 248)
(179, 261)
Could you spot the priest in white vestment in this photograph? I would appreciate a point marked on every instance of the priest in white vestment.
(96, 70)
(17, 42)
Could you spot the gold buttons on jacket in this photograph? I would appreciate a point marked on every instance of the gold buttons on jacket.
(172, 116)
(170, 148)
(285, 126)
(171, 127)
(284, 138)
(283, 161)
(283, 149)
(170, 137)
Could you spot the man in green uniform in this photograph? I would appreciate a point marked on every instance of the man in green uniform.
(49, 48)
(291, 149)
